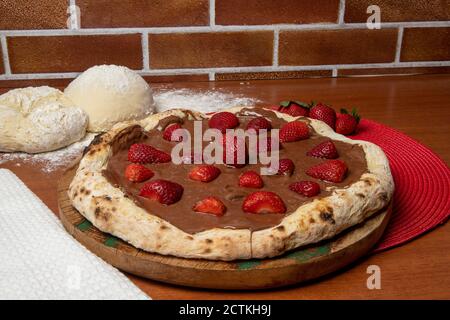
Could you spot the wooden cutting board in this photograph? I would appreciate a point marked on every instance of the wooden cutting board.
(299, 265)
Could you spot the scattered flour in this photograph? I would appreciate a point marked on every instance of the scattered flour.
(53, 160)
(203, 101)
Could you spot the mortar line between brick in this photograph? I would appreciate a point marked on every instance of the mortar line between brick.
(145, 52)
(398, 48)
(212, 13)
(239, 69)
(217, 28)
(341, 13)
(5, 55)
(276, 41)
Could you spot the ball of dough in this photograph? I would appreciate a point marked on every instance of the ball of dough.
(111, 94)
(39, 119)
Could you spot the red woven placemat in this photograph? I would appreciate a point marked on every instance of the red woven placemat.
(422, 184)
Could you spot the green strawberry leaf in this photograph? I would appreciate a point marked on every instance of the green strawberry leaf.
(356, 115)
(285, 103)
(302, 104)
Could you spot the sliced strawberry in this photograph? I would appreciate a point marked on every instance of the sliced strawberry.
(324, 113)
(231, 147)
(138, 173)
(331, 170)
(286, 167)
(263, 202)
(326, 150)
(204, 173)
(259, 123)
(346, 123)
(306, 188)
(143, 153)
(163, 191)
(168, 131)
(250, 179)
(210, 205)
(294, 131)
(223, 121)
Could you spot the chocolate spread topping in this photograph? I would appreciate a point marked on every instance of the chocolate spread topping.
(226, 187)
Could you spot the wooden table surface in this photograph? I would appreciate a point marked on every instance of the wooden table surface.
(417, 105)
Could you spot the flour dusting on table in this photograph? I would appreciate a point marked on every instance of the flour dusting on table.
(53, 160)
(203, 101)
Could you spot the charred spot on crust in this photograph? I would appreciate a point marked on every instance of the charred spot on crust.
(96, 141)
(327, 217)
(163, 227)
(97, 211)
(368, 181)
(113, 209)
(189, 237)
(208, 241)
(384, 196)
(311, 220)
(280, 228)
(82, 189)
(362, 196)
(107, 198)
(207, 250)
(87, 192)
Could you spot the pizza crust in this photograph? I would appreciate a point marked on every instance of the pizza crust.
(111, 211)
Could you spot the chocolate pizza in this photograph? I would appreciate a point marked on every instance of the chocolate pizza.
(153, 184)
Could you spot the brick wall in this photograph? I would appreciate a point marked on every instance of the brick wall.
(170, 40)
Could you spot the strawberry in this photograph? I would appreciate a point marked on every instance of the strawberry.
(331, 170)
(204, 173)
(163, 191)
(223, 121)
(259, 123)
(295, 108)
(232, 148)
(167, 134)
(294, 131)
(346, 123)
(263, 202)
(286, 167)
(210, 205)
(138, 173)
(143, 153)
(250, 179)
(326, 150)
(324, 113)
(306, 188)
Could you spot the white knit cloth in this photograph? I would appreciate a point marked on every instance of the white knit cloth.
(40, 260)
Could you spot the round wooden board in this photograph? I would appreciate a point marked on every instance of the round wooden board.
(299, 265)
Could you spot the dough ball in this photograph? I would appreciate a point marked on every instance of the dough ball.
(111, 94)
(39, 119)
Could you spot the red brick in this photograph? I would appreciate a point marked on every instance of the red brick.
(254, 12)
(273, 75)
(425, 44)
(393, 71)
(337, 46)
(177, 78)
(398, 10)
(216, 49)
(143, 13)
(37, 14)
(73, 53)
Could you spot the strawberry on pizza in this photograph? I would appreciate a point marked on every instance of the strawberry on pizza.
(221, 206)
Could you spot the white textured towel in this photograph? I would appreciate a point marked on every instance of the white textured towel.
(40, 260)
